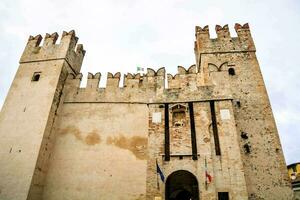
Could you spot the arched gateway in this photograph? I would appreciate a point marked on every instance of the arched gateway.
(182, 185)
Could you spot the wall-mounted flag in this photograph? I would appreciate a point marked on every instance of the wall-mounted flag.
(158, 171)
(208, 177)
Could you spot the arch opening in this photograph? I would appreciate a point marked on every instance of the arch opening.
(182, 185)
(36, 76)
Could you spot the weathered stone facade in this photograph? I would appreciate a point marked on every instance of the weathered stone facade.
(211, 131)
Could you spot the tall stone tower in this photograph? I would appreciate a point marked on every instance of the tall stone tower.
(208, 134)
(29, 111)
(232, 62)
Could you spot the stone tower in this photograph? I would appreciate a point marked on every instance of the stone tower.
(210, 133)
(29, 111)
(232, 63)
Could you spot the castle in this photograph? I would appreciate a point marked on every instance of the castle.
(210, 134)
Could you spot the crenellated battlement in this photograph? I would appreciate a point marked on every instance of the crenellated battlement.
(133, 80)
(66, 49)
(185, 78)
(151, 72)
(50, 39)
(93, 80)
(222, 32)
(113, 81)
(149, 87)
(155, 80)
(152, 80)
(224, 42)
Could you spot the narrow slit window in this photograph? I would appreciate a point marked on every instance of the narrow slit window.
(36, 76)
(238, 103)
(247, 148)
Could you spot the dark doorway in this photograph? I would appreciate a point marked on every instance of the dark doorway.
(182, 185)
(223, 196)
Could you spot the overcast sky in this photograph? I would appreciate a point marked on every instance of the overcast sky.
(120, 35)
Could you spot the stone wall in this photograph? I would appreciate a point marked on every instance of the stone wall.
(60, 141)
(106, 136)
(226, 170)
(100, 152)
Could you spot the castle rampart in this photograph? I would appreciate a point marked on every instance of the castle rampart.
(209, 130)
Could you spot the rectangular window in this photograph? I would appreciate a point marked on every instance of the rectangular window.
(223, 196)
(193, 131)
(167, 133)
(215, 127)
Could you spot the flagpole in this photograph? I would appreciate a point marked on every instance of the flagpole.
(205, 174)
(157, 181)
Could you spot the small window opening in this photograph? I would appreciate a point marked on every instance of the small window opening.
(231, 72)
(238, 103)
(247, 148)
(36, 76)
(244, 135)
(223, 196)
(140, 81)
(180, 157)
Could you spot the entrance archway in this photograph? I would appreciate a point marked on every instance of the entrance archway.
(182, 185)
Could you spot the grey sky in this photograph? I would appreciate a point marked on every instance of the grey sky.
(120, 35)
